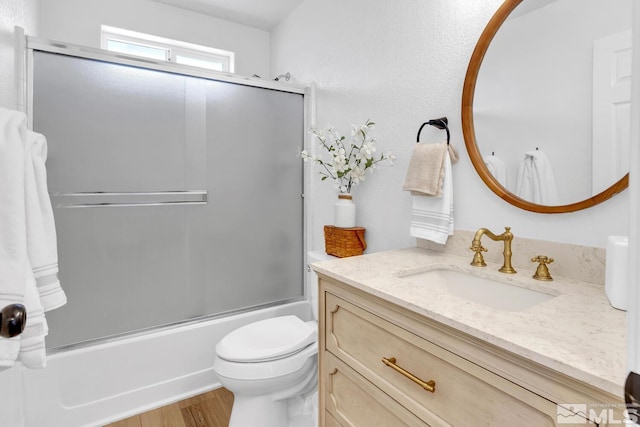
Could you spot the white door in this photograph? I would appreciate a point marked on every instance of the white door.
(611, 109)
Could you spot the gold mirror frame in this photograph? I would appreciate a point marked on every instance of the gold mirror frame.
(470, 137)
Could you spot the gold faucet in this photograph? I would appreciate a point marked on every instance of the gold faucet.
(476, 246)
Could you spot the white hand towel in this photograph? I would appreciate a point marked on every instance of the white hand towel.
(536, 182)
(497, 168)
(41, 231)
(432, 217)
(13, 242)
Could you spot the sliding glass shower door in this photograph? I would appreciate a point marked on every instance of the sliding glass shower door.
(175, 197)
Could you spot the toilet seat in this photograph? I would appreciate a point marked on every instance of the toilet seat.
(267, 340)
(265, 370)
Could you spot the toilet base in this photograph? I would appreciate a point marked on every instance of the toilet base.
(295, 406)
(299, 411)
(246, 408)
(303, 410)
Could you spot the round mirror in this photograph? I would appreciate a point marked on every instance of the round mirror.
(546, 103)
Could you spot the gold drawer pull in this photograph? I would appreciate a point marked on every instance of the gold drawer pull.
(429, 385)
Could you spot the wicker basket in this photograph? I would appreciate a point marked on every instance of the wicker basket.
(344, 242)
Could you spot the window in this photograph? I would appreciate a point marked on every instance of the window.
(158, 48)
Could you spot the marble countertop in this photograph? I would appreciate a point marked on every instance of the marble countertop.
(576, 333)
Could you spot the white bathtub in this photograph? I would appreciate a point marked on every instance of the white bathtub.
(95, 385)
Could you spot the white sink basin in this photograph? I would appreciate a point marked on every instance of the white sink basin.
(484, 291)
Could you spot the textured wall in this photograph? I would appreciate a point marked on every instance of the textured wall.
(23, 13)
(401, 63)
(250, 44)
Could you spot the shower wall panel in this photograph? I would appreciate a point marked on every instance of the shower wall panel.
(140, 144)
(253, 138)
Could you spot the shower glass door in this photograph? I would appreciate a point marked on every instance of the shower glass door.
(175, 197)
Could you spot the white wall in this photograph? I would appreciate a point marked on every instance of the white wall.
(400, 64)
(23, 13)
(79, 21)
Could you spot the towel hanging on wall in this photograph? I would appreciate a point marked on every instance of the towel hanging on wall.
(425, 174)
(41, 230)
(496, 166)
(28, 245)
(536, 182)
(430, 181)
(432, 217)
(13, 237)
(426, 168)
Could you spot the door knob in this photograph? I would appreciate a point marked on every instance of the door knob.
(13, 319)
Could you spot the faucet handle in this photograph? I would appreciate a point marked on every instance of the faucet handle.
(478, 259)
(542, 272)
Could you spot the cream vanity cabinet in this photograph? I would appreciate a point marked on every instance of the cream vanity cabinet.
(476, 383)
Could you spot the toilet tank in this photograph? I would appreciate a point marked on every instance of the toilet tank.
(312, 279)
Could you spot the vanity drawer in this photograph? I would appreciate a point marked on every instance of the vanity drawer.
(465, 393)
(352, 401)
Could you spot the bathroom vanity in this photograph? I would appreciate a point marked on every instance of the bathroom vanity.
(399, 346)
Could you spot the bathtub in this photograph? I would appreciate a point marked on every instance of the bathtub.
(109, 381)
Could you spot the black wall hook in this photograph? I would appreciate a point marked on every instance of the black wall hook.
(441, 123)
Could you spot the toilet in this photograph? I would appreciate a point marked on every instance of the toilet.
(271, 367)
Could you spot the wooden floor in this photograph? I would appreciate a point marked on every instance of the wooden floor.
(212, 409)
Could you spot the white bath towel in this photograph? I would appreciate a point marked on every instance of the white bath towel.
(432, 217)
(13, 240)
(497, 168)
(28, 247)
(32, 345)
(536, 182)
(41, 230)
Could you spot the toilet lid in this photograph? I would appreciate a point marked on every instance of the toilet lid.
(267, 339)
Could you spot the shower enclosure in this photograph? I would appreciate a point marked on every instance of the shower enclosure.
(177, 194)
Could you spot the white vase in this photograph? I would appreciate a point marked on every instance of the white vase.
(344, 212)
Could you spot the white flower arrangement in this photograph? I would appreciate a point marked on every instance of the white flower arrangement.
(349, 159)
